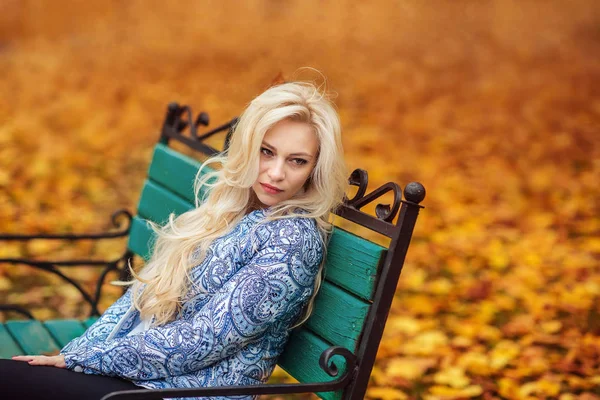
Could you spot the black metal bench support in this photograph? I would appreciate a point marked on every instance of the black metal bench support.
(119, 265)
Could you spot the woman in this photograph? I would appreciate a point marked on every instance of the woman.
(229, 279)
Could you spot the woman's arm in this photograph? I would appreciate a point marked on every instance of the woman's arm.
(272, 287)
(100, 329)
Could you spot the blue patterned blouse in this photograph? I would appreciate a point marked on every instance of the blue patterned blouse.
(246, 294)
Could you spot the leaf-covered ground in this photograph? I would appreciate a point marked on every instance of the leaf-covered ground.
(493, 106)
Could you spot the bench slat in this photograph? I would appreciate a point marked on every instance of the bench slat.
(338, 316)
(140, 238)
(8, 347)
(157, 203)
(352, 263)
(175, 171)
(32, 337)
(64, 330)
(301, 360)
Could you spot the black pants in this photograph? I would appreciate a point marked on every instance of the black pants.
(19, 380)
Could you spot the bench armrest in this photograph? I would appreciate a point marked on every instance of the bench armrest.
(115, 218)
(324, 362)
(121, 220)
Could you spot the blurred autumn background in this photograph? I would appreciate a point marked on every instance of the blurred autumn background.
(493, 105)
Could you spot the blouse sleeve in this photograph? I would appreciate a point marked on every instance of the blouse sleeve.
(271, 288)
(100, 329)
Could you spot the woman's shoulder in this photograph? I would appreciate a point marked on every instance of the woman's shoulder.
(297, 227)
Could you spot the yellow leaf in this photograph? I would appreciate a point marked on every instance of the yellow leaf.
(498, 256)
(461, 341)
(475, 363)
(5, 283)
(551, 326)
(385, 393)
(409, 368)
(507, 388)
(545, 387)
(4, 177)
(440, 286)
(567, 396)
(427, 343)
(453, 376)
(595, 379)
(408, 325)
(416, 279)
(503, 353)
(448, 393)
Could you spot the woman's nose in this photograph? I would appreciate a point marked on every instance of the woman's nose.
(277, 172)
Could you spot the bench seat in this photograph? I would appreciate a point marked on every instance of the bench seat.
(30, 337)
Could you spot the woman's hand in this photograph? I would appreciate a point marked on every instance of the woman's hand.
(52, 361)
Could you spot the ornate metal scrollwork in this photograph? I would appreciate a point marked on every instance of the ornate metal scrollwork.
(17, 309)
(360, 178)
(330, 368)
(121, 219)
(324, 361)
(384, 212)
(51, 267)
(118, 215)
(115, 218)
(180, 117)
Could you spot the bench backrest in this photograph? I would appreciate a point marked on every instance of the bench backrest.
(360, 276)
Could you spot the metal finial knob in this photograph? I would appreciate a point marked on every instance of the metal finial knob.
(202, 119)
(414, 192)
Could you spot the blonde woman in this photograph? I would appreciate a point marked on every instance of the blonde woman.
(228, 280)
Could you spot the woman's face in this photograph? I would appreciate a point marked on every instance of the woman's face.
(288, 155)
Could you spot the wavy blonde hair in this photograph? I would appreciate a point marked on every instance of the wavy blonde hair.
(158, 289)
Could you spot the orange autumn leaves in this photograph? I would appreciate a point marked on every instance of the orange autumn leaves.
(493, 107)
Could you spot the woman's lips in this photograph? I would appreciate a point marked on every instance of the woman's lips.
(271, 189)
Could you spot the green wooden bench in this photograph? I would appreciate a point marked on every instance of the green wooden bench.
(333, 353)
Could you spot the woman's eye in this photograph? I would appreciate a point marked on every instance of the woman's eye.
(266, 151)
(299, 161)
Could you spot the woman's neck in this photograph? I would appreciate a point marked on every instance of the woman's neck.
(254, 204)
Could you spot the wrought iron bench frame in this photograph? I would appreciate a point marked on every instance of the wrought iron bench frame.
(179, 125)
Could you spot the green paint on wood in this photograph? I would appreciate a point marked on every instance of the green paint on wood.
(141, 237)
(64, 330)
(352, 263)
(175, 171)
(157, 203)
(89, 322)
(301, 360)
(8, 346)
(33, 337)
(338, 316)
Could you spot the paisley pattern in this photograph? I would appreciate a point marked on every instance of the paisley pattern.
(246, 293)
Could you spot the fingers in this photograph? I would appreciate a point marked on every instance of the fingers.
(40, 360)
(23, 358)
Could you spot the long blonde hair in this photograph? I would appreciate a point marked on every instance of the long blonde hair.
(182, 242)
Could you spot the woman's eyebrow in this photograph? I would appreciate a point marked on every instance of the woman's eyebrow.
(293, 154)
(301, 154)
(268, 145)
